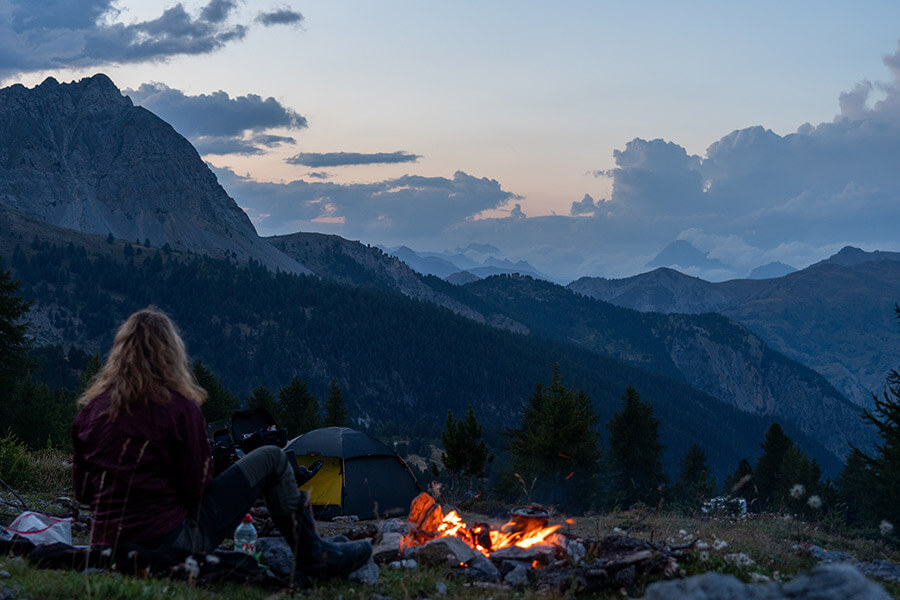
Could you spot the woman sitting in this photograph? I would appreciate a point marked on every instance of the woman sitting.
(142, 461)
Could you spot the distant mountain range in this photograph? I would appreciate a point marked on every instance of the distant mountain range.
(475, 261)
(835, 316)
(101, 187)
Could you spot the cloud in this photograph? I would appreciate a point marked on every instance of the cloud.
(283, 16)
(339, 159)
(56, 34)
(404, 208)
(219, 124)
(586, 206)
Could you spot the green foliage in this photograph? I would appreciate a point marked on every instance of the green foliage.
(875, 480)
(298, 408)
(466, 454)
(695, 482)
(635, 452)
(556, 449)
(856, 485)
(14, 344)
(336, 414)
(781, 466)
(15, 464)
(738, 483)
(220, 403)
(263, 398)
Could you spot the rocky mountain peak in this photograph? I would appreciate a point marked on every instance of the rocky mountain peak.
(80, 155)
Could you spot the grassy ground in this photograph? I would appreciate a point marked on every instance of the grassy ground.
(758, 547)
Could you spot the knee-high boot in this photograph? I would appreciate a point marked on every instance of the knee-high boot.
(315, 556)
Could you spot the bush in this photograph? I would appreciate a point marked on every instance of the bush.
(16, 467)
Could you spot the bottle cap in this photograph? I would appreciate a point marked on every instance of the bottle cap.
(248, 518)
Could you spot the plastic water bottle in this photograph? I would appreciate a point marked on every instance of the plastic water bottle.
(245, 535)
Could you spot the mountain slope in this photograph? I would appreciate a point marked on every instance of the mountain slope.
(709, 352)
(402, 363)
(835, 316)
(81, 156)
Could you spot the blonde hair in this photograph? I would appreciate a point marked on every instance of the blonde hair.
(147, 362)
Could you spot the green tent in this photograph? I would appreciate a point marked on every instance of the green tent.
(360, 475)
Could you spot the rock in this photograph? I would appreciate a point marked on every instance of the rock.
(825, 582)
(446, 550)
(388, 548)
(518, 576)
(483, 568)
(400, 526)
(368, 573)
(825, 555)
(277, 554)
(441, 588)
(543, 553)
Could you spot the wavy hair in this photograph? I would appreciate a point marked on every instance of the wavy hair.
(147, 362)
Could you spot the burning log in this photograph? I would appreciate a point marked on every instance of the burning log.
(526, 549)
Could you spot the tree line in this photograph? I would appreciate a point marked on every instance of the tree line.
(553, 456)
(556, 458)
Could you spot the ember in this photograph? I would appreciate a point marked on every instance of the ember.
(527, 527)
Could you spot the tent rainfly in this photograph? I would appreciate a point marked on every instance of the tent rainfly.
(360, 475)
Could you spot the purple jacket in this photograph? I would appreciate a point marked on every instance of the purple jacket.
(142, 472)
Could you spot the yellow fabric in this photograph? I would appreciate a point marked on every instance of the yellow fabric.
(325, 489)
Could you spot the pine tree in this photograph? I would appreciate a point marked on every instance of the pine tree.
(298, 410)
(781, 466)
(466, 454)
(856, 485)
(556, 449)
(635, 451)
(336, 414)
(695, 481)
(220, 403)
(740, 483)
(884, 467)
(14, 344)
(261, 397)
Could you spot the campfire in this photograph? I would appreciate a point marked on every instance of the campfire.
(526, 528)
(526, 550)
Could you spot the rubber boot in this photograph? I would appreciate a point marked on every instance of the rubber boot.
(315, 556)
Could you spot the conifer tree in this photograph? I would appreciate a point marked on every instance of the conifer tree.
(298, 410)
(781, 466)
(220, 402)
(261, 397)
(14, 344)
(695, 481)
(556, 449)
(884, 467)
(635, 452)
(336, 414)
(740, 483)
(856, 485)
(466, 454)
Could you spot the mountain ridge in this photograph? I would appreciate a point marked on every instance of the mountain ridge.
(80, 155)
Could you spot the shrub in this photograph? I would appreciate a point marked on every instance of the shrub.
(16, 468)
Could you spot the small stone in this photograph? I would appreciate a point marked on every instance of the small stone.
(367, 574)
(518, 576)
(446, 550)
(441, 588)
(5, 574)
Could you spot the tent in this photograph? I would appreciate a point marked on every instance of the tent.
(360, 475)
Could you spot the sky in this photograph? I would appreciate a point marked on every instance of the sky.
(583, 136)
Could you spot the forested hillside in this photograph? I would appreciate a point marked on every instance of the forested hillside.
(402, 363)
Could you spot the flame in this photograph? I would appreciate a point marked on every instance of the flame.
(429, 522)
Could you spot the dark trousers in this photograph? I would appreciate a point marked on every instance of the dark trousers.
(263, 472)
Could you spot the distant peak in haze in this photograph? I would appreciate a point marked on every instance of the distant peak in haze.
(850, 256)
(683, 254)
(773, 270)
